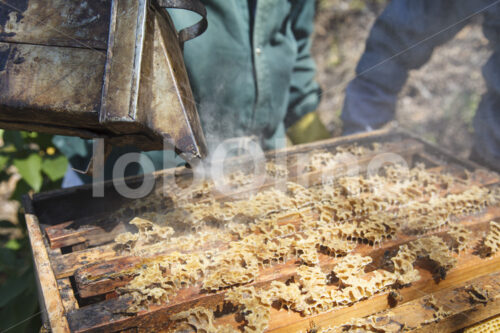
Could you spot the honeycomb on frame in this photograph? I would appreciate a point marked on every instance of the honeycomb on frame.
(303, 227)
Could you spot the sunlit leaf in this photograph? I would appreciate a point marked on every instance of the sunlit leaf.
(29, 135)
(18, 295)
(30, 169)
(12, 244)
(55, 168)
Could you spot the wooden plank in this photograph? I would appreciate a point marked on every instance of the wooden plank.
(65, 265)
(67, 294)
(427, 159)
(49, 288)
(92, 230)
(59, 234)
(64, 285)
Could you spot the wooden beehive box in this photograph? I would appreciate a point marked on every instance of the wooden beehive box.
(79, 267)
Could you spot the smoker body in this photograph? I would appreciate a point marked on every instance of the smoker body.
(99, 68)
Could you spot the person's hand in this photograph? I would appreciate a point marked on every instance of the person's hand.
(308, 129)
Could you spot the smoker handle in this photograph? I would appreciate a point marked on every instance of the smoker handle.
(194, 6)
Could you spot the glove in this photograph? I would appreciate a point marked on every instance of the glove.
(308, 129)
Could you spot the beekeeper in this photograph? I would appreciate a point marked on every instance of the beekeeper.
(402, 39)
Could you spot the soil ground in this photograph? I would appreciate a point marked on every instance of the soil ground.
(439, 100)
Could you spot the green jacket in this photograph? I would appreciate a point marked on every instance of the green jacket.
(247, 83)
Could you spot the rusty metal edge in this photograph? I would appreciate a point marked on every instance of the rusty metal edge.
(107, 66)
(50, 300)
(138, 58)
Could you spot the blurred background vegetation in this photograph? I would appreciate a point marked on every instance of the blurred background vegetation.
(28, 163)
(438, 102)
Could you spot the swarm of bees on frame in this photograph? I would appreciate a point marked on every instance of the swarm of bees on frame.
(225, 244)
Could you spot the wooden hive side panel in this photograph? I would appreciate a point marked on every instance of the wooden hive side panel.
(51, 299)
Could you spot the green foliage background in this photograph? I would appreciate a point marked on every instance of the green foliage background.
(41, 168)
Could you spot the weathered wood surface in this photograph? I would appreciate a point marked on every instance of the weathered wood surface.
(464, 311)
(67, 294)
(85, 230)
(66, 291)
(47, 282)
(63, 234)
